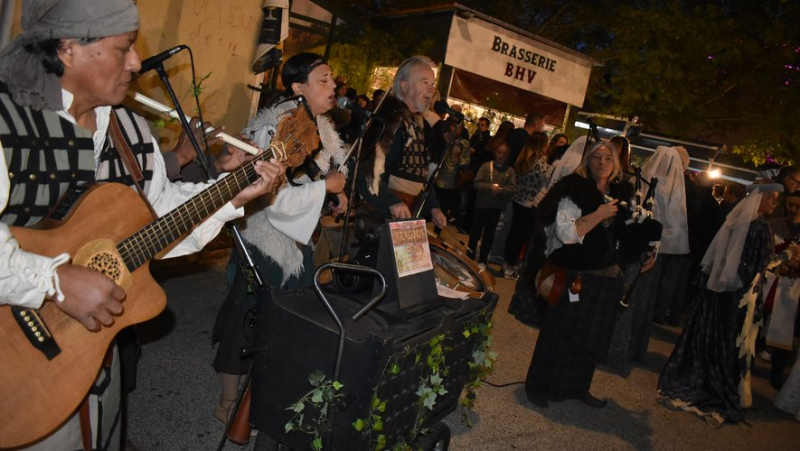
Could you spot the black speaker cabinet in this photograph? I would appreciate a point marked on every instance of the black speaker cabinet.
(384, 355)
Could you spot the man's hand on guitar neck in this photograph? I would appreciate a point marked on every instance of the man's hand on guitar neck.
(89, 296)
(270, 177)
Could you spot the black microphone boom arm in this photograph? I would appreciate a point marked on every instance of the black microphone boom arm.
(155, 60)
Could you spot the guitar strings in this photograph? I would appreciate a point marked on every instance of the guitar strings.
(143, 245)
(182, 218)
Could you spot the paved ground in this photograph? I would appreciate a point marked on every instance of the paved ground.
(171, 409)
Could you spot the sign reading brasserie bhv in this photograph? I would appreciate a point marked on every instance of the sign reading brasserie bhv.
(412, 253)
(493, 52)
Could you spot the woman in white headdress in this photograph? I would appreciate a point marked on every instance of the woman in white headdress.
(709, 369)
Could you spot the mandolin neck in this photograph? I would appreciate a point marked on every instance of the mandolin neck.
(145, 244)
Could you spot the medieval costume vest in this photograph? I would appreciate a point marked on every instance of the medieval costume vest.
(48, 156)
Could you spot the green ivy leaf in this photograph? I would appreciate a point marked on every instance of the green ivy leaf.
(288, 427)
(394, 369)
(316, 445)
(297, 407)
(316, 378)
(466, 333)
(377, 426)
(382, 407)
(316, 397)
(423, 390)
(375, 402)
(358, 425)
(429, 401)
(337, 385)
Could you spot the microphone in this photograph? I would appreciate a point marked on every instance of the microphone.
(347, 104)
(155, 60)
(441, 107)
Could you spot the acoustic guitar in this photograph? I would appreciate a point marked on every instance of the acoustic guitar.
(50, 360)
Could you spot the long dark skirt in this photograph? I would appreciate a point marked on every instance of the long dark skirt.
(233, 328)
(703, 369)
(670, 301)
(574, 336)
(631, 334)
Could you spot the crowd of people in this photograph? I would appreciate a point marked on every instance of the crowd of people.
(597, 262)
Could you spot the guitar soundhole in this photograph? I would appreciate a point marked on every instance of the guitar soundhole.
(107, 264)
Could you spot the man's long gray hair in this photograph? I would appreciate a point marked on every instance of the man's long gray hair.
(405, 70)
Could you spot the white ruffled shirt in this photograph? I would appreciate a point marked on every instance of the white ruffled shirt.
(563, 231)
(26, 278)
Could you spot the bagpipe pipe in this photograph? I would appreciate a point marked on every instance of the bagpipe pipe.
(642, 232)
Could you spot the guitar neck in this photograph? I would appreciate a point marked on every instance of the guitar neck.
(142, 246)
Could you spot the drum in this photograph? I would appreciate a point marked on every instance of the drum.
(453, 269)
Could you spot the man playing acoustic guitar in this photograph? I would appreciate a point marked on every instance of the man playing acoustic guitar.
(59, 82)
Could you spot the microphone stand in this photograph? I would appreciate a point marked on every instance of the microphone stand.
(356, 148)
(419, 205)
(351, 191)
(182, 117)
(245, 260)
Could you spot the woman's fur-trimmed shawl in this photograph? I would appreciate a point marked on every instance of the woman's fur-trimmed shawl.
(258, 231)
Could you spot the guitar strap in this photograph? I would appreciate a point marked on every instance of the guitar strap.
(86, 425)
(128, 159)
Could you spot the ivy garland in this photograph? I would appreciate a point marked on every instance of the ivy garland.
(320, 397)
(483, 359)
(430, 388)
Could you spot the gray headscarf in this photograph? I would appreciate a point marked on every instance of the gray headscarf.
(43, 20)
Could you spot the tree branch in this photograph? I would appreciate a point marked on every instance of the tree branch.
(547, 22)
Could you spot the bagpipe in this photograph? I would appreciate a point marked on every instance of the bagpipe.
(641, 231)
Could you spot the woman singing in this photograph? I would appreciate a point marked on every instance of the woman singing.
(278, 232)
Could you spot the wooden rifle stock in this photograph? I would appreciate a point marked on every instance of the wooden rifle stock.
(239, 426)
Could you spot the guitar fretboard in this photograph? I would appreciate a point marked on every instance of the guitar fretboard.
(153, 238)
